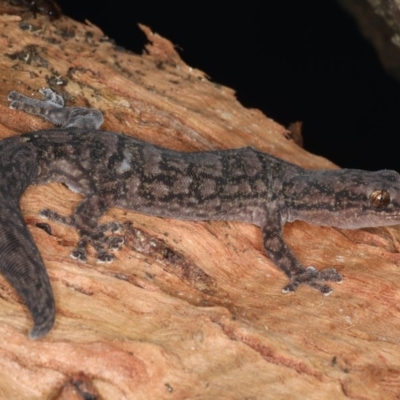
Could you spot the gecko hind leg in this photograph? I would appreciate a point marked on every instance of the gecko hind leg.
(52, 109)
(96, 237)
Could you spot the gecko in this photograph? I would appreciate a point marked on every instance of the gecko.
(115, 170)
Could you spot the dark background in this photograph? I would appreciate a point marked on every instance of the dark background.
(297, 61)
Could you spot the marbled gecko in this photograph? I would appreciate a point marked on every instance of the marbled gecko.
(110, 169)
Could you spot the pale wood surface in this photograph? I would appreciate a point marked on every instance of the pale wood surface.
(190, 310)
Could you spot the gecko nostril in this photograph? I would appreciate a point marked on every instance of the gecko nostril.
(379, 198)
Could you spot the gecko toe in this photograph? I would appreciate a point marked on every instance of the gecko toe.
(115, 242)
(79, 254)
(50, 96)
(54, 216)
(15, 99)
(14, 105)
(289, 288)
(104, 257)
(324, 289)
(11, 96)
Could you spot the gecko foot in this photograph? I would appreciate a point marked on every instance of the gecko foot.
(312, 277)
(95, 236)
(100, 244)
(52, 108)
(80, 254)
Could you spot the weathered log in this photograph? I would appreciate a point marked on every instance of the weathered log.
(188, 309)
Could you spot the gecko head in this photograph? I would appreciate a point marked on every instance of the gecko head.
(345, 198)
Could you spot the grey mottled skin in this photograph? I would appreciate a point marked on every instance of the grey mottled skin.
(111, 169)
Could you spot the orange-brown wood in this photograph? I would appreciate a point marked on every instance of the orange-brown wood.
(188, 309)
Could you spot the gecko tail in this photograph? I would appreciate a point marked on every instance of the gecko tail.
(22, 265)
(42, 326)
(20, 260)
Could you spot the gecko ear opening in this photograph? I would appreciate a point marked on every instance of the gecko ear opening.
(379, 198)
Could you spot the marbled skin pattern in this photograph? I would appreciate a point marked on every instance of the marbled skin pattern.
(110, 169)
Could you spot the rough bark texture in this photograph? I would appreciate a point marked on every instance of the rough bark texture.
(189, 309)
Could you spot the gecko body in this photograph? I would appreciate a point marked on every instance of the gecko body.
(111, 169)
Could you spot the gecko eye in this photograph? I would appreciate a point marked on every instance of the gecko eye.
(379, 198)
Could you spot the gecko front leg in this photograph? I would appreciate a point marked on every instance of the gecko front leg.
(284, 258)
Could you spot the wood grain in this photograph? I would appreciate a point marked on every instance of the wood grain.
(189, 309)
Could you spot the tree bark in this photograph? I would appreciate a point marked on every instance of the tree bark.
(188, 309)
